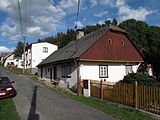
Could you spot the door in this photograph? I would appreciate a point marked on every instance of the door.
(51, 74)
(41, 72)
(55, 72)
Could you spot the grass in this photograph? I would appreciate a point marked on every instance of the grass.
(8, 110)
(113, 110)
(16, 72)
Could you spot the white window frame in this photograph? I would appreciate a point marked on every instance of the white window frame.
(129, 69)
(103, 71)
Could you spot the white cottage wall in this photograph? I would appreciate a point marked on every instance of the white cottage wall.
(116, 71)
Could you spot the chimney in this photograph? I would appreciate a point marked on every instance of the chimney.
(79, 33)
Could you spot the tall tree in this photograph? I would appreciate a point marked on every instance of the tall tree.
(19, 49)
(114, 22)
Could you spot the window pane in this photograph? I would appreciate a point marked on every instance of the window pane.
(103, 71)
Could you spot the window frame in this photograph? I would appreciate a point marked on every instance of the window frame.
(128, 71)
(45, 49)
(103, 76)
(66, 71)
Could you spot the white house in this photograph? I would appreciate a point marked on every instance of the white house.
(36, 53)
(106, 54)
(9, 60)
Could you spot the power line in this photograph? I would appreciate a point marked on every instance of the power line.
(77, 14)
(25, 19)
(20, 17)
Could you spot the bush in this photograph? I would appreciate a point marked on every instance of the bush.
(140, 78)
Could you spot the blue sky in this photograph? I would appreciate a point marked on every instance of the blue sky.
(47, 17)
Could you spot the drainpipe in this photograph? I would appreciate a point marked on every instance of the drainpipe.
(78, 77)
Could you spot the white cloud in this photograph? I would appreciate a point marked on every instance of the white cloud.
(68, 3)
(94, 3)
(79, 24)
(101, 14)
(101, 22)
(41, 14)
(126, 12)
(5, 49)
(102, 2)
(107, 2)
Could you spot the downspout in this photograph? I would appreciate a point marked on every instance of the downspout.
(78, 76)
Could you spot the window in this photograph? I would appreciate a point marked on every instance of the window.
(45, 71)
(128, 69)
(103, 71)
(45, 49)
(109, 41)
(66, 71)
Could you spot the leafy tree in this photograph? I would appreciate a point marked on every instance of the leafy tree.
(140, 78)
(19, 49)
(114, 22)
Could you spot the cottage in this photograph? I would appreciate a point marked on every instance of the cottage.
(9, 60)
(106, 54)
(36, 53)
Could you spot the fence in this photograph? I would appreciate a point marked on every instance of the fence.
(135, 95)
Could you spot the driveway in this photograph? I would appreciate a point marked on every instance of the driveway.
(36, 102)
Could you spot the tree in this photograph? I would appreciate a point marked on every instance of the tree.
(114, 22)
(19, 49)
(147, 38)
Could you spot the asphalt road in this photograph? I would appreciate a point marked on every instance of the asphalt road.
(36, 102)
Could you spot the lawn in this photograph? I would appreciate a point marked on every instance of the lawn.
(113, 110)
(8, 110)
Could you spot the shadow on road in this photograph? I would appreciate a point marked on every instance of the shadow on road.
(32, 113)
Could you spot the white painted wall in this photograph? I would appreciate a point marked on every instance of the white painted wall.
(69, 82)
(116, 71)
(37, 52)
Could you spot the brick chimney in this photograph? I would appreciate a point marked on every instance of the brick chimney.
(79, 33)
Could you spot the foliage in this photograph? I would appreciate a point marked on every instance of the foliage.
(8, 110)
(140, 78)
(19, 49)
(147, 38)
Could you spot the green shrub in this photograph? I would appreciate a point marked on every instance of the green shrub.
(140, 78)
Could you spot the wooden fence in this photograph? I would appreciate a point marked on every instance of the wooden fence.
(135, 95)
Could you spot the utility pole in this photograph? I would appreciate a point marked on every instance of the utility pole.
(24, 47)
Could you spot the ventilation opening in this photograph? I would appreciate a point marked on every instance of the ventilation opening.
(122, 42)
(109, 41)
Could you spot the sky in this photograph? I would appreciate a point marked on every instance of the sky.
(42, 18)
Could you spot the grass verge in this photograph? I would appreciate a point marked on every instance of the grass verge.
(113, 110)
(8, 110)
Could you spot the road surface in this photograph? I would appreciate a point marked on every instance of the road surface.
(36, 102)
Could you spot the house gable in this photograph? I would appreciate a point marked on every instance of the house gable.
(113, 46)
